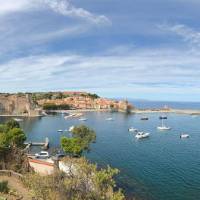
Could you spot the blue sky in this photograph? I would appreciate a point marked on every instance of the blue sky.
(146, 49)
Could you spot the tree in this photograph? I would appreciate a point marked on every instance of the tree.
(82, 136)
(16, 137)
(71, 146)
(86, 135)
(12, 124)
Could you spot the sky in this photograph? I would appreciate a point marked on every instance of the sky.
(139, 49)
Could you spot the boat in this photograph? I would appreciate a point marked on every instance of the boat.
(18, 119)
(60, 131)
(109, 119)
(131, 129)
(163, 117)
(163, 127)
(141, 135)
(83, 119)
(184, 135)
(71, 128)
(144, 118)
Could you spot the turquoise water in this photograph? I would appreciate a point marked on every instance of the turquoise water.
(162, 167)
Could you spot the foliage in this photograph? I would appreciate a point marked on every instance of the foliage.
(71, 145)
(11, 135)
(92, 96)
(52, 106)
(12, 124)
(86, 135)
(82, 136)
(83, 181)
(16, 137)
(4, 187)
(12, 156)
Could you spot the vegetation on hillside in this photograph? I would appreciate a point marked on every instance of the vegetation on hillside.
(58, 95)
(81, 138)
(52, 106)
(11, 144)
(86, 182)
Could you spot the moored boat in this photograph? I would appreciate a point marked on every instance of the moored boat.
(163, 117)
(131, 129)
(83, 119)
(144, 118)
(141, 135)
(184, 135)
(109, 119)
(163, 127)
(18, 119)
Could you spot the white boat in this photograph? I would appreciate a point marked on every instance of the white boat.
(60, 131)
(141, 135)
(144, 118)
(71, 128)
(132, 129)
(163, 127)
(184, 135)
(18, 119)
(109, 119)
(83, 119)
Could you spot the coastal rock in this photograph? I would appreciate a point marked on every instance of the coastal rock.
(18, 104)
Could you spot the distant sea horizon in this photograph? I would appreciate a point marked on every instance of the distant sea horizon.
(144, 104)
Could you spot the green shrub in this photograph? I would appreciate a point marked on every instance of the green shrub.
(4, 187)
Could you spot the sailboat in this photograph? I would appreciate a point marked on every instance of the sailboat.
(163, 127)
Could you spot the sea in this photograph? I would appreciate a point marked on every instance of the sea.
(161, 167)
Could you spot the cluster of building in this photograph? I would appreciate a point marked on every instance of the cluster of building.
(80, 101)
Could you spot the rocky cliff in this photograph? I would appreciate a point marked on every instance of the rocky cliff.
(15, 104)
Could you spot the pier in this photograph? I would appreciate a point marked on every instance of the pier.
(44, 145)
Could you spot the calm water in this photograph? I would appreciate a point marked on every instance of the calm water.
(161, 104)
(163, 167)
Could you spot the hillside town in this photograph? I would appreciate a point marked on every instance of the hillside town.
(33, 104)
(83, 100)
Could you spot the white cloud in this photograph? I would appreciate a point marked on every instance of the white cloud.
(63, 7)
(20, 31)
(157, 71)
(8, 6)
(188, 34)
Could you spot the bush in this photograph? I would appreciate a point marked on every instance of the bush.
(83, 182)
(4, 187)
(51, 106)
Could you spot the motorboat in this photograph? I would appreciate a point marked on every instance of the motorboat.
(163, 117)
(144, 118)
(141, 135)
(18, 119)
(163, 127)
(131, 129)
(71, 128)
(184, 135)
(83, 119)
(60, 131)
(109, 119)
